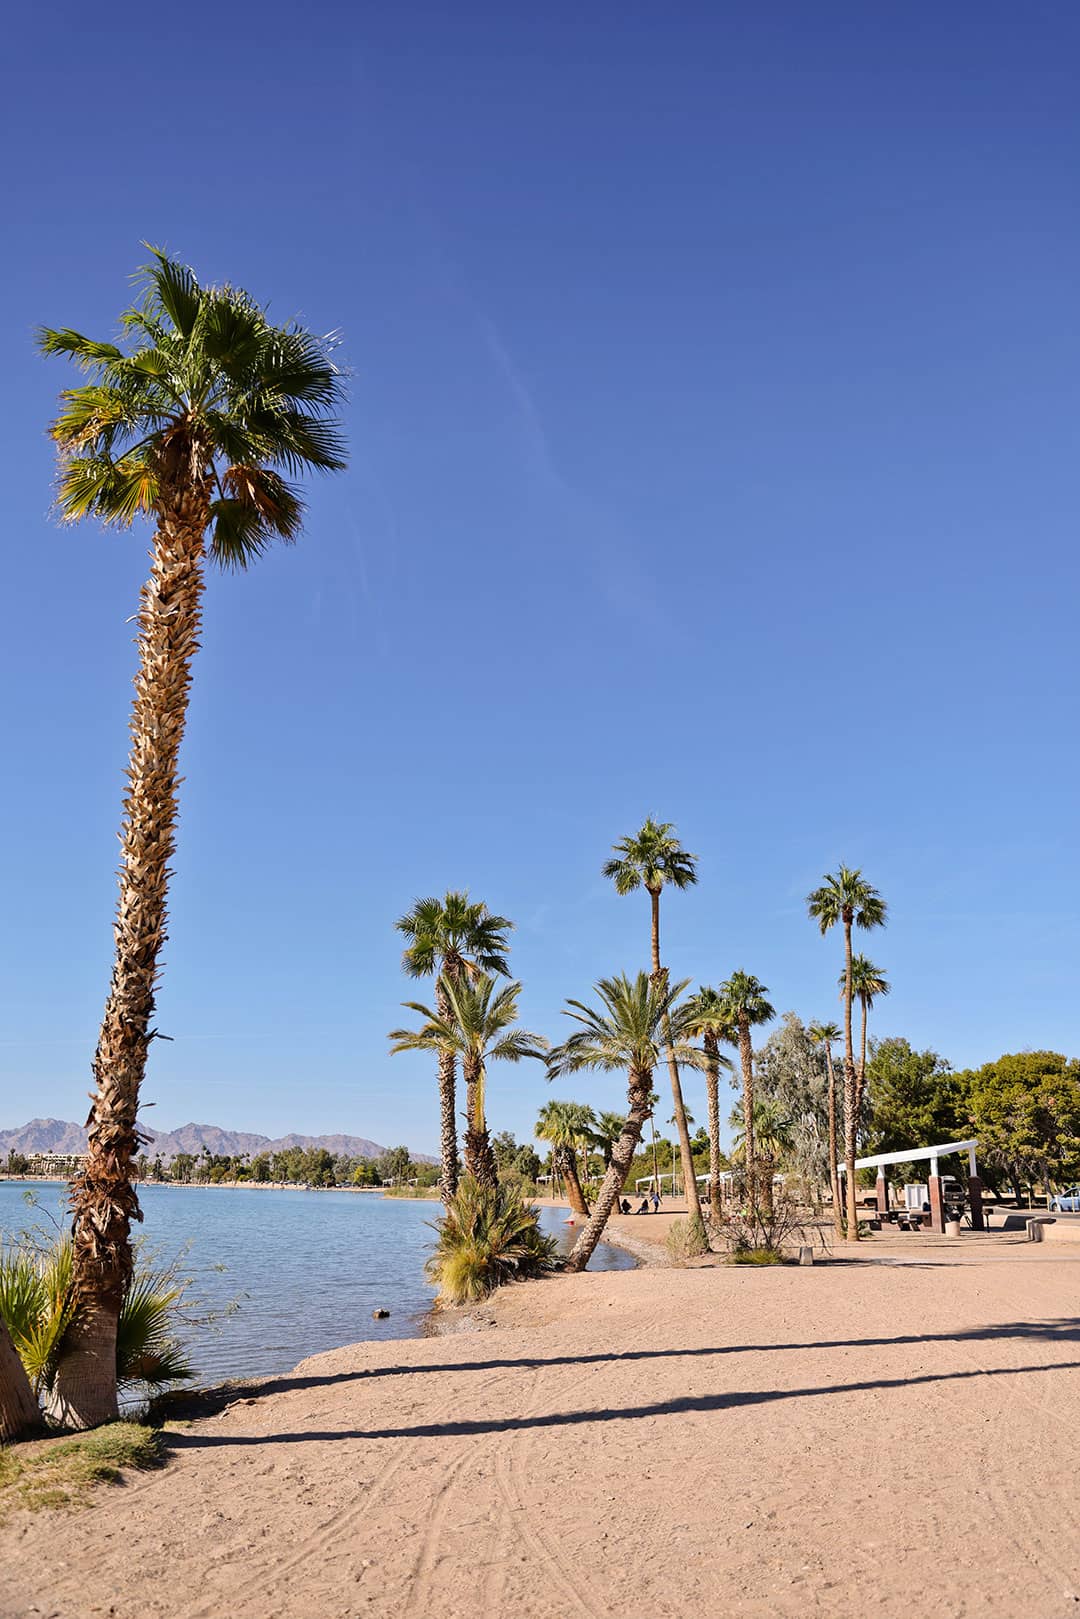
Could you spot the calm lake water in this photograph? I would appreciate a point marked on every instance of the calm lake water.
(303, 1269)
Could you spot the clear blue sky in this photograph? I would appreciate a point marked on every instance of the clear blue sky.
(714, 428)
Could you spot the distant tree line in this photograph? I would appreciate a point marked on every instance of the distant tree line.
(294, 1166)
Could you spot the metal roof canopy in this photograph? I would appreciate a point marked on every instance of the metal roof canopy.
(911, 1155)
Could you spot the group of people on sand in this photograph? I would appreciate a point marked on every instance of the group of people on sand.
(650, 1204)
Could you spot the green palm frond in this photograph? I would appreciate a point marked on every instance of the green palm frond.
(205, 380)
(147, 1350)
(652, 857)
(454, 926)
(37, 1306)
(627, 1029)
(846, 897)
(867, 981)
(744, 1000)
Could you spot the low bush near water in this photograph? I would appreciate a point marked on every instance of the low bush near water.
(35, 1304)
(755, 1256)
(686, 1239)
(485, 1238)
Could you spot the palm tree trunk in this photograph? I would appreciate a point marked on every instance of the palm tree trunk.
(479, 1155)
(851, 1117)
(686, 1153)
(447, 1103)
(20, 1414)
(622, 1157)
(575, 1196)
(746, 1059)
(712, 1088)
(834, 1149)
(104, 1201)
(862, 1060)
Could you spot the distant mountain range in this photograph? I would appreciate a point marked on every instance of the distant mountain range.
(56, 1135)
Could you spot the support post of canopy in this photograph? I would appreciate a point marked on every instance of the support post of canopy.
(975, 1202)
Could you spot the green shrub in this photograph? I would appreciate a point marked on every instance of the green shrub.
(686, 1239)
(35, 1303)
(485, 1238)
(755, 1256)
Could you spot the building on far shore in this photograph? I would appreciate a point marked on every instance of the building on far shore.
(57, 1163)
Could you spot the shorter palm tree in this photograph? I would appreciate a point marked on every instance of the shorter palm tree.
(449, 939)
(773, 1140)
(867, 983)
(561, 1125)
(708, 1021)
(479, 1029)
(637, 1020)
(846, 899)
(743, 1004)
(823, 1034)
(609, 1127)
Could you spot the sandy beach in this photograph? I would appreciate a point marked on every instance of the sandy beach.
(836, 1440)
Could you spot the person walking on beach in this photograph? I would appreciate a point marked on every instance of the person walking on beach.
(655, 1201)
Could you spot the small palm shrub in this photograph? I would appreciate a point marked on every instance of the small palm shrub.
(687, 1239)
(35, 1303)
(488, 1236)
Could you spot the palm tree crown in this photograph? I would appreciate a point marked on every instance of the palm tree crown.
(454, 928)
(650, 859)
(709, 1015)
(203, 390)
(627, 1029)
(845, 896)
(743, 1001)
(867, 981)
(480, 1028)
(823, 1034)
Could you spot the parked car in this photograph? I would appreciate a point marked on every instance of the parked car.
(1066, 1201)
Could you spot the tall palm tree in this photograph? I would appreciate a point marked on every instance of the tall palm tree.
(653, 858)
(867, 983)
(20, 1414)
(636, 1017)
(743, 1006)
(709, 1023)
(449, 939)
(773, 1141)
(823, 1034)
(560, 1124)
(845, 897)
(480, 1029)
(196, 420)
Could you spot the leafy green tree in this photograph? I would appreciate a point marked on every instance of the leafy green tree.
(17, 1163)
(743, 1006)
(452, 939)
(709, 1021)
(527, 1164)
(823, 1034)
(847, 900)
(791, 1071)
(506, 1149)
(913, 1100)
(634, 1019)
(480, 1028)
(1025, 1110)
(394, 1165)
(654, 859)
(196, 420)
